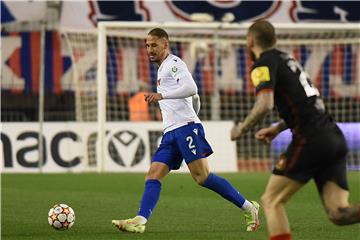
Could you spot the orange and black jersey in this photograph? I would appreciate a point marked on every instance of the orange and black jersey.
(296, 99)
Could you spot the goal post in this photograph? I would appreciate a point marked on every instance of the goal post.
(101, 93)
(216, 55)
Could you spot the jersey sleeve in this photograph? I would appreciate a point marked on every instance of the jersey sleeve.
(187, 86)
(263, 76)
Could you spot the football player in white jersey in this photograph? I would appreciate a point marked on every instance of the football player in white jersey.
(183, 139)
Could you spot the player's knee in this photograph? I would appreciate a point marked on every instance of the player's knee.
(157, 171)
(150, 175)
(153, 174)
(338, 217)
(199, 178)
(270, 201)
(266, 201)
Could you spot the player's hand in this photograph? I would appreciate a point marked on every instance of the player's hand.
(152, 97)
(266, 135)
(236, 132)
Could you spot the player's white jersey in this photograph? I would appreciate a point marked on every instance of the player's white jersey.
(176, 85)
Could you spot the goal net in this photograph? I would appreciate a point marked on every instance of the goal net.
(112, 71)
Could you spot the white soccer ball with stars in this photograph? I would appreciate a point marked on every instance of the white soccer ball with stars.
(61, 216)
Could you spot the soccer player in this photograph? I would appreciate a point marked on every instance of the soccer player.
(318, 148)
(183, 138)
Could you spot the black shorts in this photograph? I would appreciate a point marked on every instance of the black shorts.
(321, 156)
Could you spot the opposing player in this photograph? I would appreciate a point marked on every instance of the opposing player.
(318, 148)
(183, 138)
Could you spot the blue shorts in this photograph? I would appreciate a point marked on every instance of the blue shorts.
(184, 143)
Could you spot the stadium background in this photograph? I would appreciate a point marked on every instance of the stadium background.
(48, 84)
(333, 69)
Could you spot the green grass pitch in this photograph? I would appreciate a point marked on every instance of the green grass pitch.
(185, 210)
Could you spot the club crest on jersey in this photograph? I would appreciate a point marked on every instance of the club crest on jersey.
(195, 131)
(174, 69)
(260, 74)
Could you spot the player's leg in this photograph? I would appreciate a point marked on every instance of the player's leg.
(157, 171)
(200, 172)
(332, 183)
(278, 191)
(333, 189)
(165, 159)
(194, 149)
(338, 209)
(292, 170)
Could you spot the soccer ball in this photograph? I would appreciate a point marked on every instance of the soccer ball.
(61, 216)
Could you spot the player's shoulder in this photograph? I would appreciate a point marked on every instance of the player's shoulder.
(174, 65)
(176, 61)
(269, 57)
(263, 67)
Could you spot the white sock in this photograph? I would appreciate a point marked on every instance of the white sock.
(142, 220)
(247, 206)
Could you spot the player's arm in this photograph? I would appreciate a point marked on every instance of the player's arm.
(187, 86)
(281, 126)
(266, 135)
(152, 97)
(264, 104)
(196, 103)
(263, 77)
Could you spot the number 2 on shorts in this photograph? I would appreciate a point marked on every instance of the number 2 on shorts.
(189, 139)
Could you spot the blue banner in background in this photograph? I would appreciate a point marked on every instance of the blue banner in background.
(341, 11)
(21, 11)
(168, 10)
(6, 15)
(23, 62)
(84, 14)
